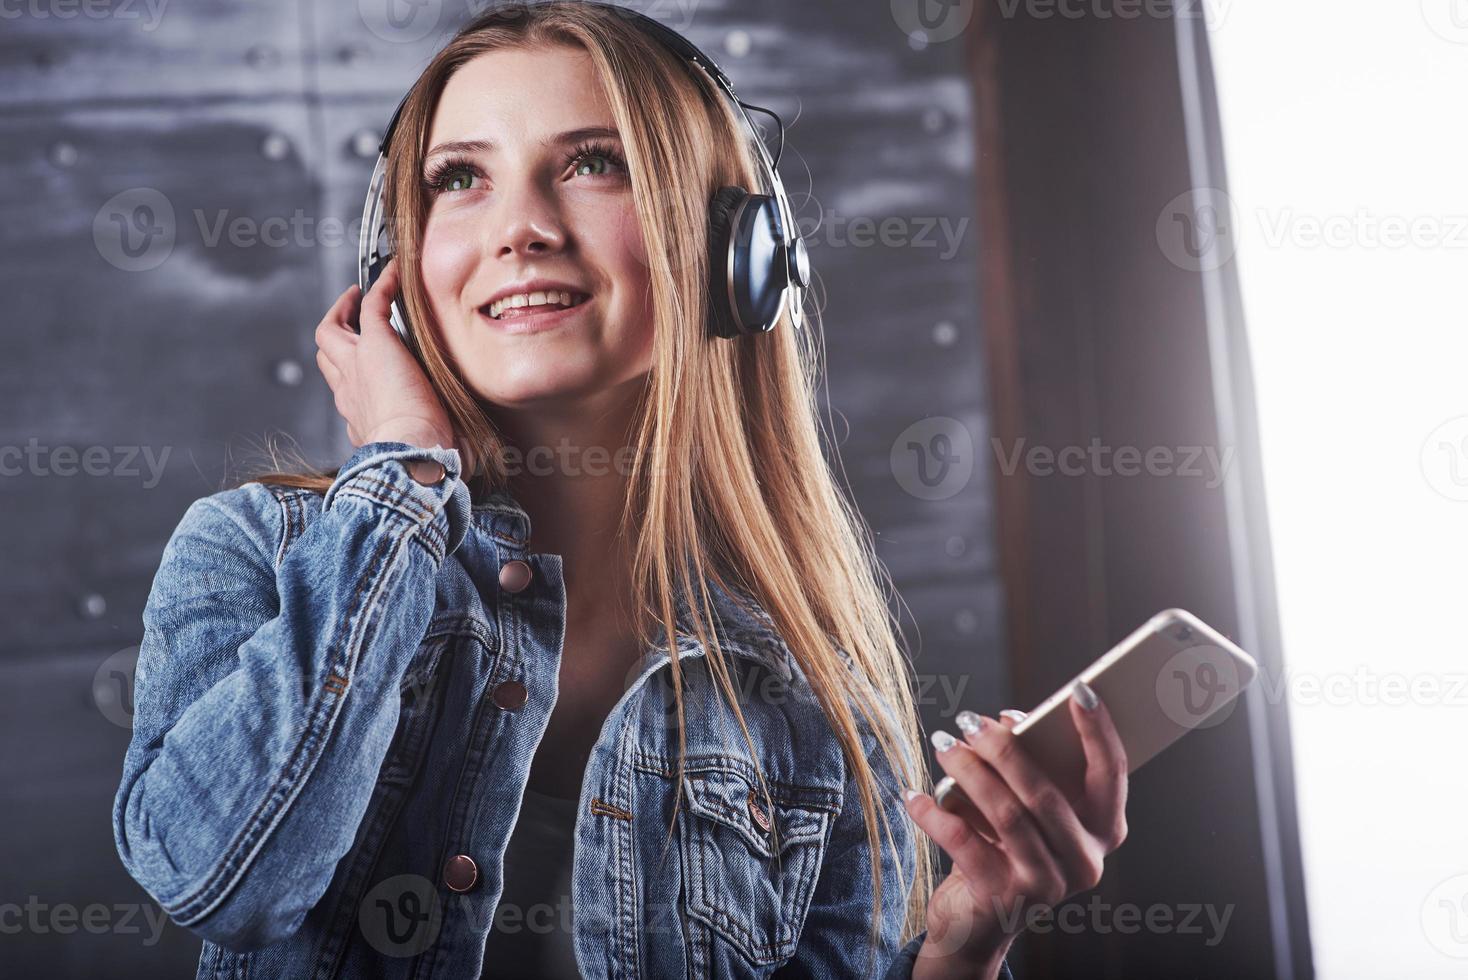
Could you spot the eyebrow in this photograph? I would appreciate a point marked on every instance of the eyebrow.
(560, 139)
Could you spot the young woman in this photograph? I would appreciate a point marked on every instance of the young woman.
(422, 717)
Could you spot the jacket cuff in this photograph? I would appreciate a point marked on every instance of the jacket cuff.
(378, 471)
(902, 965)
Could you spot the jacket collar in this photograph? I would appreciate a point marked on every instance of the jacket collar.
(744, 628)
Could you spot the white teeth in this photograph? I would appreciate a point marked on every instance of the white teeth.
(552, 297)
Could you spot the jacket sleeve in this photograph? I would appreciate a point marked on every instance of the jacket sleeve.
(266, 692)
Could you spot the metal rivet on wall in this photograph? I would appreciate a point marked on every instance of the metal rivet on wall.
(945, 334)
(365, 143)
(738, 43)
(918, 40)
(966, 621)
(288, 372)
(275, 147)
(955, 546)
(933, 120)
(92, 606)
(62, 153)
(349, 54)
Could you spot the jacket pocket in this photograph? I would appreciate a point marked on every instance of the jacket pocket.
(749, 869)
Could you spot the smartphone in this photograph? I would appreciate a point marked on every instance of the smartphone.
(1173, 674)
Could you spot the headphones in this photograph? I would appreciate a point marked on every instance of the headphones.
(757, 264)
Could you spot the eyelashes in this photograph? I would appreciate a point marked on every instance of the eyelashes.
(445, 173)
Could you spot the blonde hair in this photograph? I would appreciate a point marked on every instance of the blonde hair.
(729, 480)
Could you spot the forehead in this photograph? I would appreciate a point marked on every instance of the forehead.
(518, 93)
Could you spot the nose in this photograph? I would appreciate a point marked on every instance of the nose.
(529, 222)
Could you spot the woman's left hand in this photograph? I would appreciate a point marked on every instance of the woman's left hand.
(1026, 845)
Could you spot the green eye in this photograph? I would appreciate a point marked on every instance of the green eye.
(457, 180)
(581, 169)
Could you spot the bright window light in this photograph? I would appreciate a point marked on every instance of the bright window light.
(1347, 154)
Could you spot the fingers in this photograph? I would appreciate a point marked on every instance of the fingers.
(1070, 844)
(977, 858)
(1013, 824)
(329, 371)
(1104, 808)
(335, 332)
(377, 304)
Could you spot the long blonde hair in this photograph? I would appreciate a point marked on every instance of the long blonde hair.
(729, 479)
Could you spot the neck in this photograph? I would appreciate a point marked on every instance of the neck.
(570, 467)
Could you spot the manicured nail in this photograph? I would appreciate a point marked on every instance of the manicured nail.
(942, 741)
(1084, 696)
(1013, 714)
(909, 794)
(969, 723)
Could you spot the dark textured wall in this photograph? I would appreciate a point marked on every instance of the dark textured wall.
(144, 355)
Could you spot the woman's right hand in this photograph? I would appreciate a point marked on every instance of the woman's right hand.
(380, 388)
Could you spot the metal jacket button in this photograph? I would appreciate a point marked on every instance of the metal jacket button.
(514, 575)
(426, 471)
(461, 873)
(510, 695)
(758, 813)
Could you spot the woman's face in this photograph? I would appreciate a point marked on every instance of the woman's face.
(539, 195)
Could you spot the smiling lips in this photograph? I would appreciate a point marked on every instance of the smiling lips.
(528, 304)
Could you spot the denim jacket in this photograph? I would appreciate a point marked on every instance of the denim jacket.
(337, 701)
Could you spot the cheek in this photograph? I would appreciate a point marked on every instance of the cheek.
(447, 263)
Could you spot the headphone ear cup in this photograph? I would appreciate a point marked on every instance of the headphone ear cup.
(723, 314)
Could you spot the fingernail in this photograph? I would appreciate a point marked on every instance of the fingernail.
(943, 741)
(1084, 696)
(969, 723)
(908, 794)
(1013, 714)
